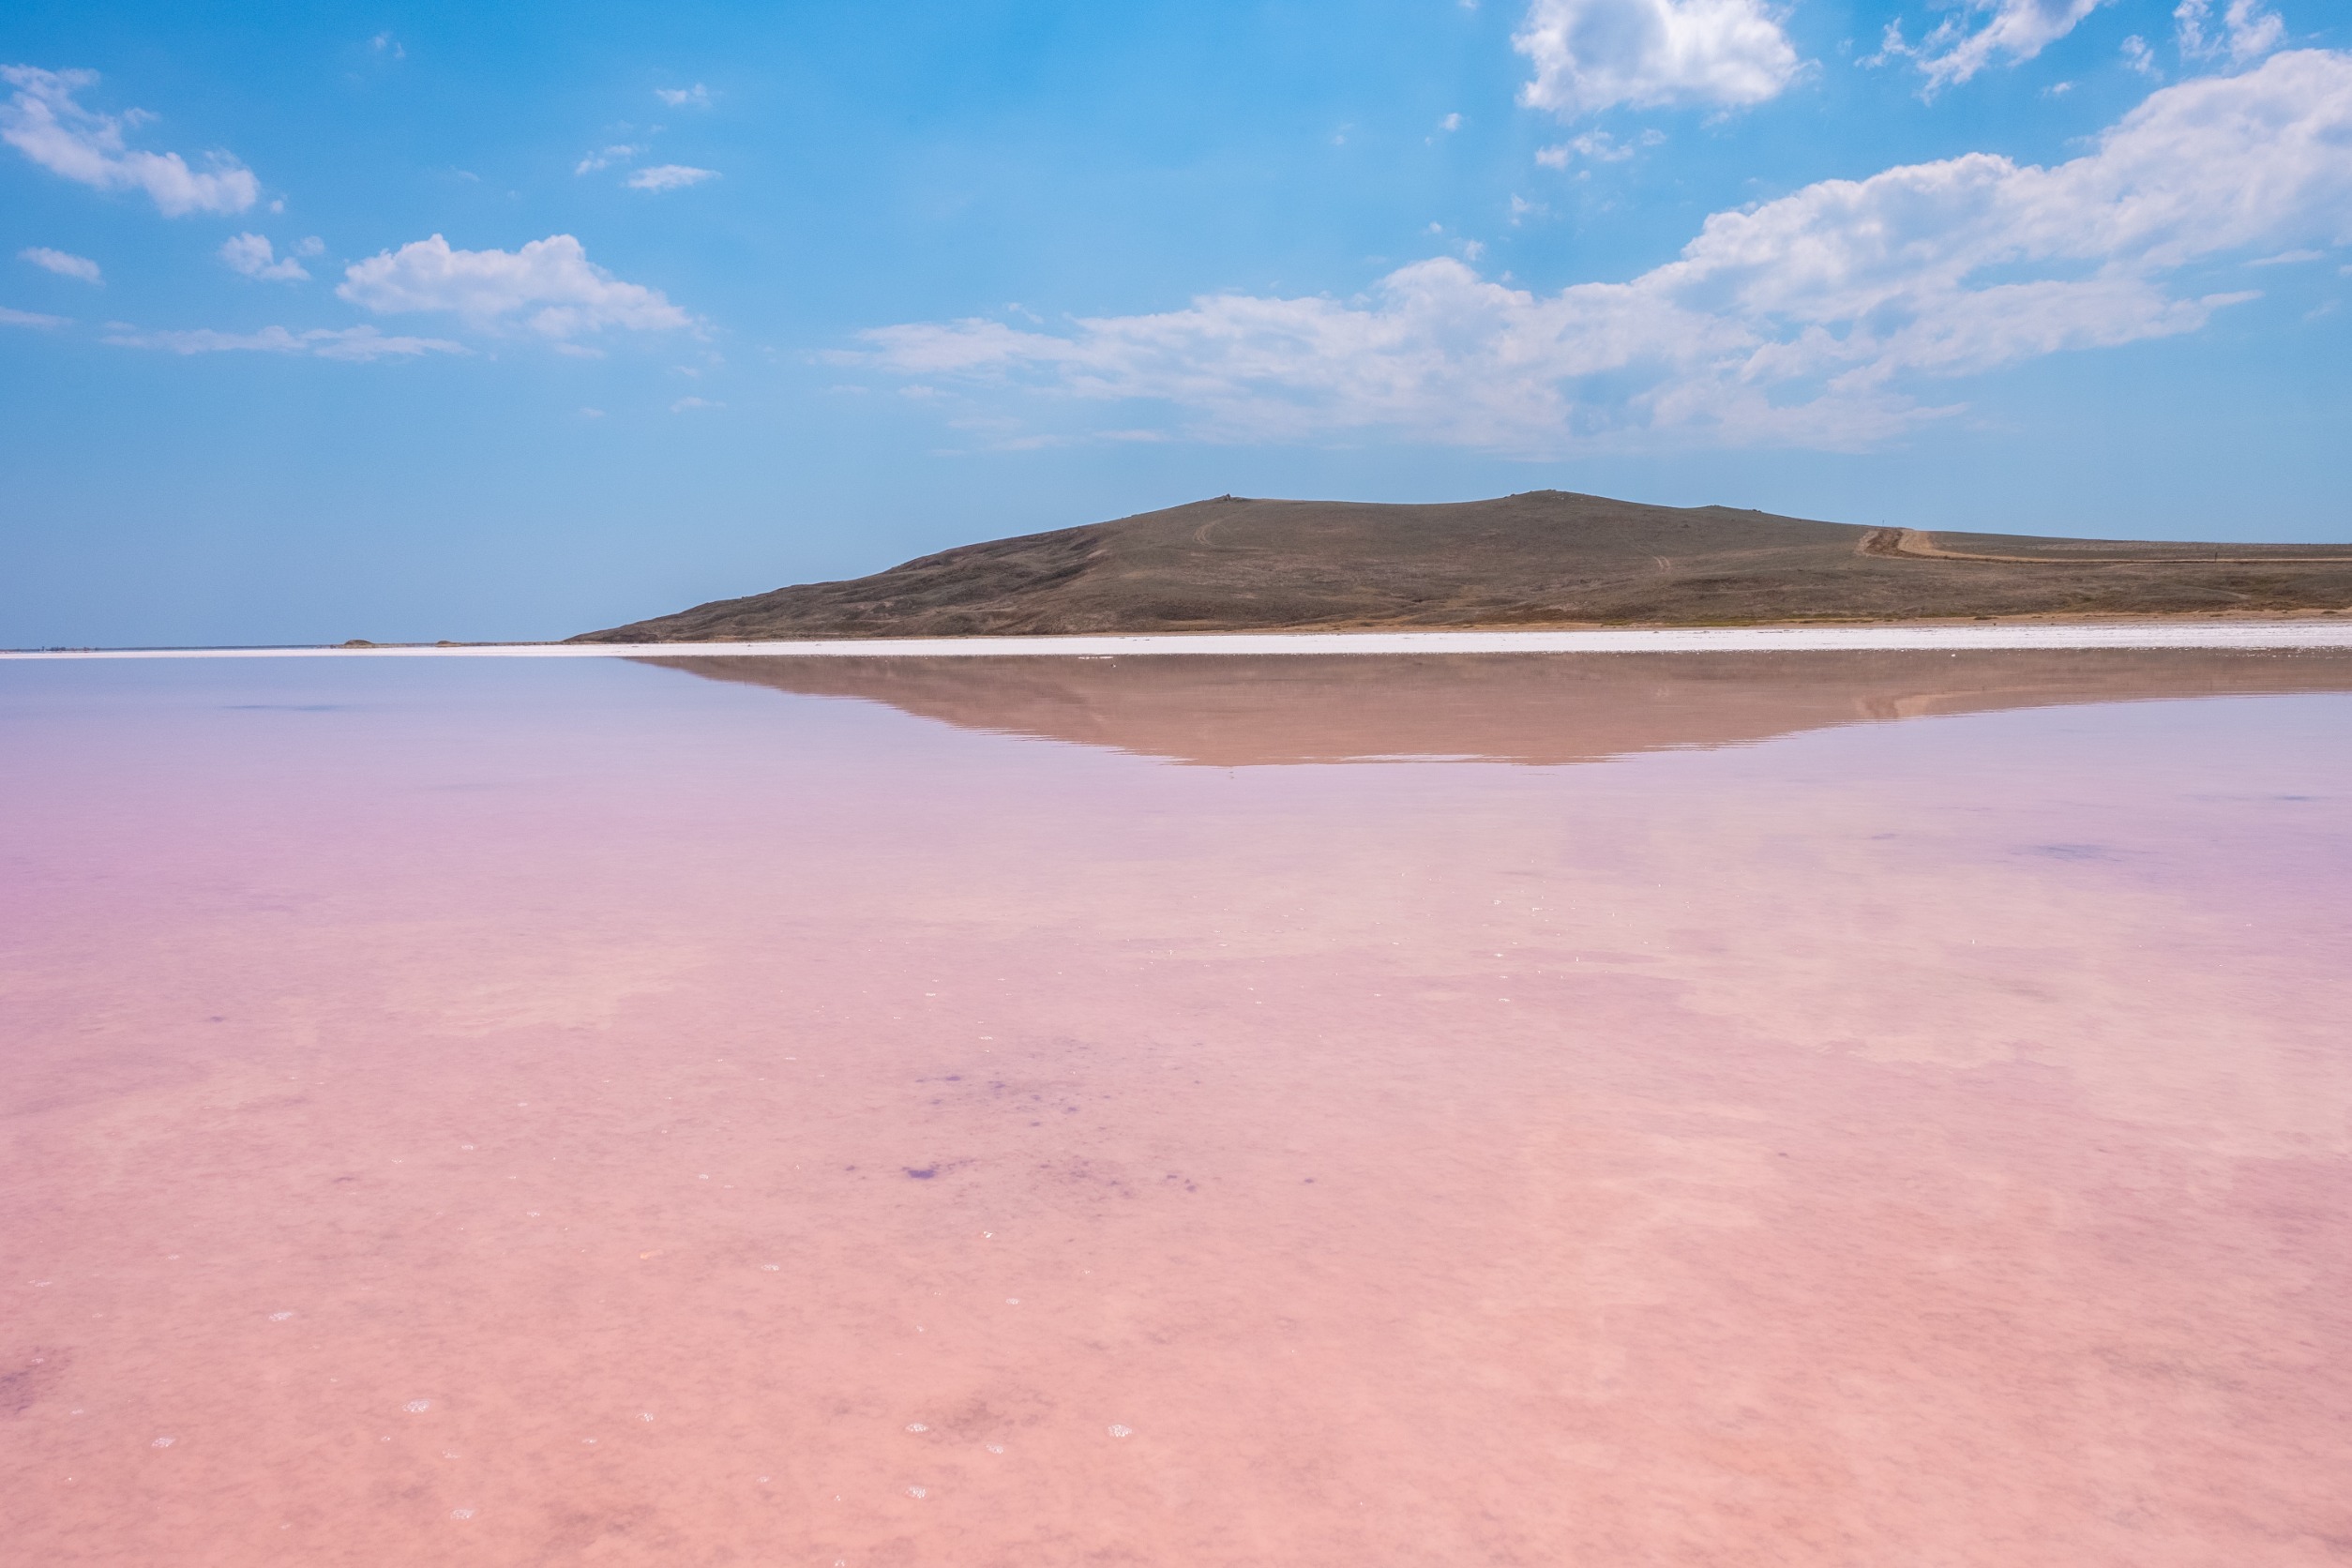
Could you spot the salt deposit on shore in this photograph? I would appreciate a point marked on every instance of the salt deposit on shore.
(2146, 634)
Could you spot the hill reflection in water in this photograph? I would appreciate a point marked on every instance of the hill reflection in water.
(1227, 711)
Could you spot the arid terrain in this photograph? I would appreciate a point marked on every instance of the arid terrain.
(1544, 558)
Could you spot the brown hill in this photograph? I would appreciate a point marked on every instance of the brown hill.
(1545, 558)
(1227, 711)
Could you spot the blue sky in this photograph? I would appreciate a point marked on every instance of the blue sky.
(410, 322)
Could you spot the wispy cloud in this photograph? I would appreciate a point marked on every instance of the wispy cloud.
(351, 343)
(604, 158)
(550, 284)
(43, 121)
(385, 45)
(1596, 146)
(1826, 318)
(1595, 54)
(669, 177)
(687, 405)
(62, 263)
(696, 97)
(30, 318)
(252, 255)
(2247, 31)
(660, 178)
(1965, 42)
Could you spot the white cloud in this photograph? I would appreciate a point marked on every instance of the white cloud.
(62, 263)
(2248, 30)
(1965, 42)
(28, 318)
(42, 121)
(1822, 319)
(669, 177)
(250, 254)
(1596, 146)
(314, 245)
(2141, 59)
(551, 278)
(663, 176)
(1452, 122)
(696, 97)
(2288, 258)
(604, 158)
(350, 342)
(686, 404)
(386, 45)
(1592, 55)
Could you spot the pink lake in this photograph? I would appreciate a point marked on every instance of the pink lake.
(1792, 1110)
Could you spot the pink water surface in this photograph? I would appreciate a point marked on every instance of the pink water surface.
(481, 1113)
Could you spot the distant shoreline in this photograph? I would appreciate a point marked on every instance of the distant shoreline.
(2251, 635)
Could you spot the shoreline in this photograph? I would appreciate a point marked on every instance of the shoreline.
(2247, 634)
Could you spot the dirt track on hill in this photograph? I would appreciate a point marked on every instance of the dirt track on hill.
(1920, 545)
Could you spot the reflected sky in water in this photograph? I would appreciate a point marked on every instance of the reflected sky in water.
(1873, 1110)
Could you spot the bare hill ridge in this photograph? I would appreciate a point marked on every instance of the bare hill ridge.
(1543, 558)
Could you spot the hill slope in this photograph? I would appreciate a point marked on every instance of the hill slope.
(1545, 558)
